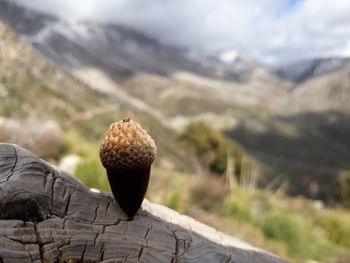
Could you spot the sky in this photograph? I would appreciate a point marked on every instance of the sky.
(273, 31)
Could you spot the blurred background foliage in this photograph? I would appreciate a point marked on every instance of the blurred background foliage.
(223, 197)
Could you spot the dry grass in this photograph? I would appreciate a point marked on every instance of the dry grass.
(293, 228)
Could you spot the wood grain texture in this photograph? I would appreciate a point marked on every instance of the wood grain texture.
(48, 216)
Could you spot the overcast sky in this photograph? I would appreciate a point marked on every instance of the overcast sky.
(275, 31)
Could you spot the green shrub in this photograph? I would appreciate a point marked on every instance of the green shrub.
(239, 205)
(336, 225)
(303, 240)
(211, 147)
(202, 136)
(219, 162)
(306, 235)
(342, 189)
(173, 201)
(91, 172)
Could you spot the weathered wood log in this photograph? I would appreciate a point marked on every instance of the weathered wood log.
(48, 216)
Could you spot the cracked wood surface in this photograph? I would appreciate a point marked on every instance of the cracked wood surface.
(48, 216)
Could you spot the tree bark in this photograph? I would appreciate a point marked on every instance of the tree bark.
(48, 216)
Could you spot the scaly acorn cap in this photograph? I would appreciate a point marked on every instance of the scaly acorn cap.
(127, 146)
(127, 153)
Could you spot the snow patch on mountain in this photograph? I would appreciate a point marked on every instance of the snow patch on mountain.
(229, 56)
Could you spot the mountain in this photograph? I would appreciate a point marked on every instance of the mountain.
(324, 92)
(237, 61)
(166, 82)
(307, 140)
(301, 71)
(23, 20)
(116, 49)
(293, 120)
(122, 51)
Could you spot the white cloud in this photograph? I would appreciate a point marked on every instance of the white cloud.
(276, 31)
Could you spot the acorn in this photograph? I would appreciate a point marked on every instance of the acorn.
(127, 153)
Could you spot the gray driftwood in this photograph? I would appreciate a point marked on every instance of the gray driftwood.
(48, 216)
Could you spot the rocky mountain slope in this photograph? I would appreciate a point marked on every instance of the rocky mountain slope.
(325, 92)
(32, 87)
(28, 82)
(304, 70)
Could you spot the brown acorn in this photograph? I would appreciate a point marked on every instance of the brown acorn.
(127, 153)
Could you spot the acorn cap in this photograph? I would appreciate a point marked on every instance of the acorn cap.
(127, 146)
